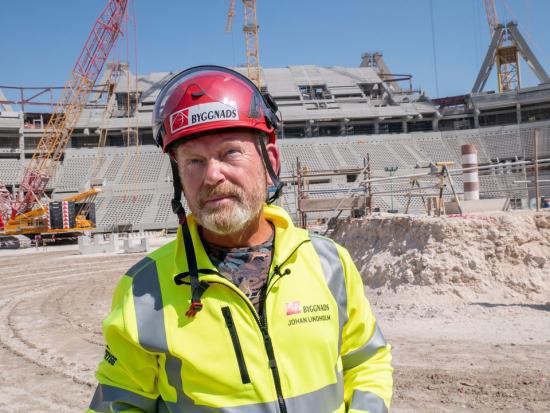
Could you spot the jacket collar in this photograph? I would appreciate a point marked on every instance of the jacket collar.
(287, 239)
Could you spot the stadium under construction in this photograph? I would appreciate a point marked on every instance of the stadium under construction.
(442, 202)
(333, 119)
(354, 140)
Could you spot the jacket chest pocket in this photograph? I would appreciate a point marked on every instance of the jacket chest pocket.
(215, 351)
(239, 356)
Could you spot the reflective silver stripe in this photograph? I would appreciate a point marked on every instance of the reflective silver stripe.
(334, 275)
(324, 400)
(173, 372)
(151, 329)
(148, 307)
(110, 399)
(358, 356)
(367, 402)
(187, 405)
(138, 266)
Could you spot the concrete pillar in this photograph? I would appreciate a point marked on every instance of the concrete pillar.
(308, 128)
(476, 118)
(470, 177)
(435, 124)
(404, 125)
(343, 131)
(22, 136)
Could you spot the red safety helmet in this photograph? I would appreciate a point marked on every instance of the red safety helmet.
(208, 98)
(200, 100)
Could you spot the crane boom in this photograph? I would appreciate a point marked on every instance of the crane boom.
(492, 17)
(53, 142)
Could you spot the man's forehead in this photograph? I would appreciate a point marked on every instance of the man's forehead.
(214, 141)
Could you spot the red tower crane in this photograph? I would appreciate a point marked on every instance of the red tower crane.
(66, 112)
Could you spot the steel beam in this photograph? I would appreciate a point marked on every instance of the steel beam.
(489, 60)
(527, 53)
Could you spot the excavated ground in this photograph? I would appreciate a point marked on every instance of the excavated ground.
(465, 302)
(457, 348)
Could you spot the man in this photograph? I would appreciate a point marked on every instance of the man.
(243, 312)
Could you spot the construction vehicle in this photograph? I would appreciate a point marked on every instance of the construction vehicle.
(29, 210)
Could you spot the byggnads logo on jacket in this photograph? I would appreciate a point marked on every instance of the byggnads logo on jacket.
(203, 113)
(295, 307)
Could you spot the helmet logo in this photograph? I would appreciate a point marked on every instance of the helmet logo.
(203, 113)
(179, 120)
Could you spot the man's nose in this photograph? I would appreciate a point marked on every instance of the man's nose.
(214, 172)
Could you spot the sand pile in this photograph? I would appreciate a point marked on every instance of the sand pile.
(501, 255)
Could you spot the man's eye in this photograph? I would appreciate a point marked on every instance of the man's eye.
(232, 153)
(194, 162)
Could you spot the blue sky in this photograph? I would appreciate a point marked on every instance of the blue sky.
(41, 40)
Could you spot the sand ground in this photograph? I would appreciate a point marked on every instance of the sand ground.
(449, 356)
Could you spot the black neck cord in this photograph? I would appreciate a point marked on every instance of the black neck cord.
(179, 210)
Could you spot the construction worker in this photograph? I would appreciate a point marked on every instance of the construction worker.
(243, 312)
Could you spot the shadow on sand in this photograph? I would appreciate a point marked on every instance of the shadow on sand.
(541, 307)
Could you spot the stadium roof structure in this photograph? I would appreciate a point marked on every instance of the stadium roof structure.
(310, 92)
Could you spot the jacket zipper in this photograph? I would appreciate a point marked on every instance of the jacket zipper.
(236, 344)
(261, 321)
(268, 347)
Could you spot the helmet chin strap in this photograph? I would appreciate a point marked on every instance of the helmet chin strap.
(272, 175)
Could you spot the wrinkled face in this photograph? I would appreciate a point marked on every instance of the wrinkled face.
(224, 180)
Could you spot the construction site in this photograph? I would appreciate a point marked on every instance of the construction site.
(442, 202)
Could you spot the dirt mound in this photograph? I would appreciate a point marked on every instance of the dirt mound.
(502, 255)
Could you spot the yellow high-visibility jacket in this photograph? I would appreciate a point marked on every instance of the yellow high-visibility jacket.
(315, 347)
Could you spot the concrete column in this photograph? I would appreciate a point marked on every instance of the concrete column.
(343, 130)
(435, 124)
(404, 126)
(21, 136)
(308, 128)
(476, 118)
(470, 177)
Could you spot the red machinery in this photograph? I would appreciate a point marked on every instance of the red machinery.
(57, 133)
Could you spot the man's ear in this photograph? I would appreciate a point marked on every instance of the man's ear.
(274, 158)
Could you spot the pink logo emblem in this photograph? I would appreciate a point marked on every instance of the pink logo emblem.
(293, 307)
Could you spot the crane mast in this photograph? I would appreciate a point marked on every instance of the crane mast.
(250, 29)
(506, 58)
(74, 96)
(507, 45)
(230, 14)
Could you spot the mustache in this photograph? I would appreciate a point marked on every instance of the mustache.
(219, 191)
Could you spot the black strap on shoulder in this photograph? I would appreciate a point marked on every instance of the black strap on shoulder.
(179, 210)
(196, 289)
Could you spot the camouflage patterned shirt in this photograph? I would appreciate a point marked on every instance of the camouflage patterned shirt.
(246, 267)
